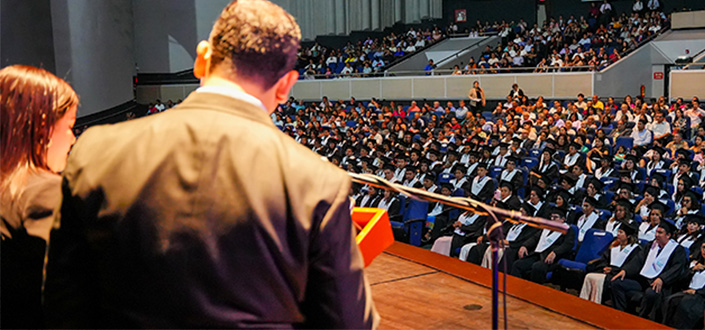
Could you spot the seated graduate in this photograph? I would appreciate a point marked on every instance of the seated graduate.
(391, 204)
(581, 178)
(511, 174)
(550, 246)
(593, 188)
(536, 201)
(692, 232)
(410, 176)
(630, 165)
(626, 190)
(622, 214)
(473, 161)
(546, 167)
(368, 197)
(653, 272)
(605, 169)
(683, 310)
(623, 249)
(466, 229)
(501, 158)
(573, 157)
(429, 182)
(515, 235)
(482, 187)
(459, 180)
(659, 181)
(589, 218)
(642, 208)
(689, 205)
(648, 227)
(441, 214)
(507, 197)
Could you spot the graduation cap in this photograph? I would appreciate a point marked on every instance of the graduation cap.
(411, 168)
(487, 148)
(683, 152)
(687, 181)
(668, 226)
(513, 159)
(366, 160)
(570, 178)
(660, 178)
(693, 195)
(625, 174)
(684, 161)
(460, 167)
(516, 139)
(599, 185)
(658, 205)
(482, 165)
(507, 184)
(575, 145)
(494, 137)
(550, 151)
(695, 218)
(451, 152)
(628, 229)
(591, 200)
(565, 195)
(653, 191)
(424, 161)
(626, 185)
(389, 167)
(558, 211)
(537, 190)
(625, 203)
(430, 176)
(373, 168)
(447, 185)
(503, 145)
(434, 152)
(658, 150)
(545, 179)
(633, 158)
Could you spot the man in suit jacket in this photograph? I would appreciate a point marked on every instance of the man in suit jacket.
(207, 215)
(550, 247)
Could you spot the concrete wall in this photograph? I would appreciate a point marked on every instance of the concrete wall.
(687, 83)
(94, 50)
(548, 85)
(688, 20)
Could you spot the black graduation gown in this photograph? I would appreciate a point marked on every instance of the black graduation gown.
(485, 193)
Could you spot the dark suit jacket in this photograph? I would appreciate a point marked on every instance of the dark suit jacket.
(25, 222)
(203, 216)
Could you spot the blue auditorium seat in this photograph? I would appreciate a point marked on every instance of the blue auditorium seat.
(626, 141)
(594, 243)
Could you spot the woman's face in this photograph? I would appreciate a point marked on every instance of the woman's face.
(693, 227)
(681, 185)
(621, 236)
(61, 140)
(620, 212)
(655, 217)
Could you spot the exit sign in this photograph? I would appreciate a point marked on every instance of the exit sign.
(658, 75)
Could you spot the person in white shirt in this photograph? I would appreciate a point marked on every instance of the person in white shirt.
(660, 127)
(642, 136)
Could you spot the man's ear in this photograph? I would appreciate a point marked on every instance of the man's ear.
(203, 56)
(283, 86)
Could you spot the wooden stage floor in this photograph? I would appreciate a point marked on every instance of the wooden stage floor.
(414, 288)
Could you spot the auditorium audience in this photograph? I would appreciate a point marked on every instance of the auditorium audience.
(512, 158)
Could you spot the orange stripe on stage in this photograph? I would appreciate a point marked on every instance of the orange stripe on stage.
(415, 288)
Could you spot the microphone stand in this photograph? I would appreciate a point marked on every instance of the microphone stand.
(494, 232)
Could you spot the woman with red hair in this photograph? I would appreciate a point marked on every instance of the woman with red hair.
(37, 114)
